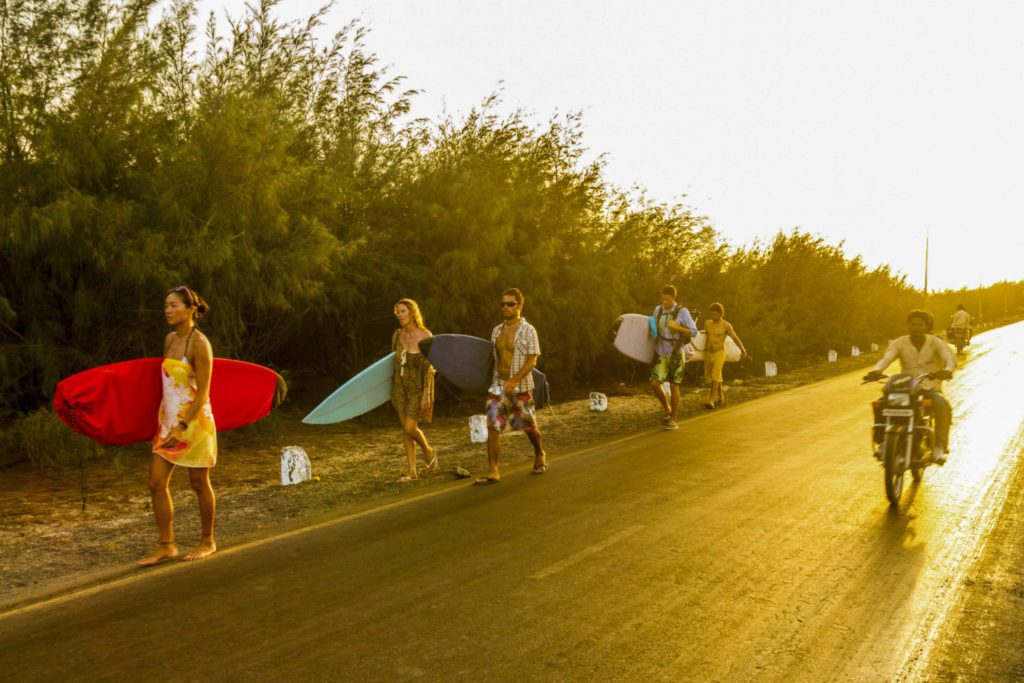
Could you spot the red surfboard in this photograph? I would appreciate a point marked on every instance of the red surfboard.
(117, 404)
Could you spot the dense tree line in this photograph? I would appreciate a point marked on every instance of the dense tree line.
(288, 182)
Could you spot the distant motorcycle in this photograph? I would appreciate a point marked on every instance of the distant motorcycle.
(909, 430)
(959, 336)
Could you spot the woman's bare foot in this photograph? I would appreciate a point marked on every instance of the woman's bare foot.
(164, 551)
(205, 548)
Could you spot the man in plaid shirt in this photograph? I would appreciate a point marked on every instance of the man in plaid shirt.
(516, 348)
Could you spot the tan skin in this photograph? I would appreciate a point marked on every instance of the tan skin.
(410, 338)
(511, 311)
(670, 403)
(200, 356)
(717, 330)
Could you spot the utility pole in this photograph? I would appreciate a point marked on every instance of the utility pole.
(926, 237)
(981, 300)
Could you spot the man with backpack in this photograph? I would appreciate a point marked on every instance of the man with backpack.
(675, 326)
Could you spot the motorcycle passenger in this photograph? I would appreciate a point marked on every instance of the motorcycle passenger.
(919, 353)
(960, 323)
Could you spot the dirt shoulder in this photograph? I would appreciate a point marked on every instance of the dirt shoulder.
(49, 544)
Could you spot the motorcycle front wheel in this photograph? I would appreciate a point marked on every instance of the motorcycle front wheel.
(893, 471)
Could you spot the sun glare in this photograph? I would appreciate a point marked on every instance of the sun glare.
(984, 395)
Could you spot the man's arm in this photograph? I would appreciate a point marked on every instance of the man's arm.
(528, 366)
(946, 354)
(732, 333)
(686, 319)
(888, 358)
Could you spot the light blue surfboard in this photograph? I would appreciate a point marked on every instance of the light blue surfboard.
(361, 394)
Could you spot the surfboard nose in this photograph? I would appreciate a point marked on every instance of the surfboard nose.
(425, 346)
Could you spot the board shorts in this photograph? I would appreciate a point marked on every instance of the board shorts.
(715, 362)
(516, 410)
(668, 369)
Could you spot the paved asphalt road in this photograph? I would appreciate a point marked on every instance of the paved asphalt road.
(754, 543)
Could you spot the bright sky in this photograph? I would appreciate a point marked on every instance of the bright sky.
(868, 122)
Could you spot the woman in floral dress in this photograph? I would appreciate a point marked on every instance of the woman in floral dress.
(186, 433)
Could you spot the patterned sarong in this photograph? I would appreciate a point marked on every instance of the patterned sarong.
(198, 445)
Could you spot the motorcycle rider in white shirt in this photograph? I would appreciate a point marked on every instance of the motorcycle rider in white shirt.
(961, 319)
(919, 353)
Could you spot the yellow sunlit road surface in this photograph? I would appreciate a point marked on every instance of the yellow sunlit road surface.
(754, 543)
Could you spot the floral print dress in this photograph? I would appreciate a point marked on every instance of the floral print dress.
(198, 445)
(414, 375)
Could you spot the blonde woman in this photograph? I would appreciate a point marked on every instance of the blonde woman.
(412, 389)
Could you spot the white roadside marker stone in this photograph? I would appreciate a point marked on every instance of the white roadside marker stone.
(295, 465)
(478, 429)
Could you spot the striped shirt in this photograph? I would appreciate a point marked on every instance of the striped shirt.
(525, 344)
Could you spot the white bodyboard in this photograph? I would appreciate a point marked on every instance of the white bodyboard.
(633, 338)
(697, 344)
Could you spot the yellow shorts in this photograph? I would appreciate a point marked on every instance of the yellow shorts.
(715, 361)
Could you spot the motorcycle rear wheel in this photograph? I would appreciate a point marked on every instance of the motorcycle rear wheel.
(893, 472)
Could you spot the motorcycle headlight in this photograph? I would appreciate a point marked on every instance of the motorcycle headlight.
(902, 400)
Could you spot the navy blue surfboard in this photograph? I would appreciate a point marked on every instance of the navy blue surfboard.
(468, 363)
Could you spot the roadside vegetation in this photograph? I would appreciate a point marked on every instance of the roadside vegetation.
(290, 183)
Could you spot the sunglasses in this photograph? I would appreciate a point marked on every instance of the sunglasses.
(189, 297)
(509, 304)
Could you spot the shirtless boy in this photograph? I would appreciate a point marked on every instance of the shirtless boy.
(516, 349)
(717, 329)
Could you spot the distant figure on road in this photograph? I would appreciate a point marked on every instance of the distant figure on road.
(186, 434)
(717, 329)
(961, 318)
(919, 353)
(516, 349)
(675, 327)
(960, 323)
(412, 389)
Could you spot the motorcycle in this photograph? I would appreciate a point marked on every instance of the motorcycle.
(959, 336)
(908, 430)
